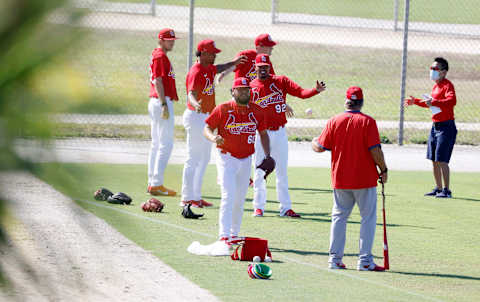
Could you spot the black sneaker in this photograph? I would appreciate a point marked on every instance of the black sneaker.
(434, 192)
(445, 193)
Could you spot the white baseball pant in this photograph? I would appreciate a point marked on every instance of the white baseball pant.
(199, 149)
(279, 152)
(234, 176)
(161, 131)
(343, 202)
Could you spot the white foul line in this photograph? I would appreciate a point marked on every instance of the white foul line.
(339, 272)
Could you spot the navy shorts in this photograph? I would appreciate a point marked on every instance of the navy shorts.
(441, 140)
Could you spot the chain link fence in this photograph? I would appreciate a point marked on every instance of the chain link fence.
(343, 43)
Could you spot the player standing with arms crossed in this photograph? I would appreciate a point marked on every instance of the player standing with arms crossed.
(444, 131)
(160, 108)
(270, 92)
(237, 122)
(200, 102)
(354, 141)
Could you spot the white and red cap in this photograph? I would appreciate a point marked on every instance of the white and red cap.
(354, 93)
(167, 34)
(240, 82)
(265, 40)
(207, 46)
(262, 59)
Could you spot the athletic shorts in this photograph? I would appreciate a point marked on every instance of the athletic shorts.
(441, 140)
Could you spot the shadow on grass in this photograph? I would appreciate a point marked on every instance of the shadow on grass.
(466, 198)
(438, 275)
(308, 253)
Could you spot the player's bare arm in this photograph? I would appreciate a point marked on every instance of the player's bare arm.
(320, 86)
(378, 158)
(265, 142)
(316, 147)
(161, 97)
(223, 74)
(193, 99)
(209, 133)
(289, 111)
(235, 62)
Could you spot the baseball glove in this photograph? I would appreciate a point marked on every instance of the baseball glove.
(119, 198)
(152, 205)
(102, 194)
(188, 213)
(267, 165)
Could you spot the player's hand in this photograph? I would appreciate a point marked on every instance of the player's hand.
(320, 86)
(384, 177)
(219, 140)
(240, 60)
(289, 112)
(165, 112)
(197, 106)
(219, 78)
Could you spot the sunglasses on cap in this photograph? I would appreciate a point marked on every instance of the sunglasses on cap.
(435, 68)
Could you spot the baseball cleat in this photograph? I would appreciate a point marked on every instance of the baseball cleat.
(196, 203)
(336, 265)
(434, 192)
(290, 213)
(184, 203)
(371, 267)
(258, 213)
(160, 191)
(250, 184)
(204, 203)
(445, 193)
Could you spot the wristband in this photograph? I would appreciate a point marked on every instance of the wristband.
(384, 171)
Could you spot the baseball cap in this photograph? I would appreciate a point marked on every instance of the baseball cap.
(208, 46)
(240, 82)
(265, 40)
(262, 59)
(354, 93)
(167, 34)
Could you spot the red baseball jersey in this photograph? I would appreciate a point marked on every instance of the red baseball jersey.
(350, 136)
(201, 79)
(443, 95)
(271, 94)
(237, 125)
(247, 70)
(160, 67)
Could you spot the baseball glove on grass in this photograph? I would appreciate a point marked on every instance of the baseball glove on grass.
(267, 165)
(102, 194)
(188, 213)
(152, 205)
(119, 198)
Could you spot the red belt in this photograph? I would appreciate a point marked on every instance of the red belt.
(275, 128)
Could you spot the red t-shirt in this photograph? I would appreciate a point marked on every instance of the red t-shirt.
(201, 79)
(271, 95)
(350, 136)
(237, 125)
(443, 95)
(160, 67)
(247, 70)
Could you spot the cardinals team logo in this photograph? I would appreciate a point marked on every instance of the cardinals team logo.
(252, 73)
(244, 127)
(275, 97)
(171, 73)
(209, 88)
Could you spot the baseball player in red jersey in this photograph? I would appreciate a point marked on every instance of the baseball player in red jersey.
(354, 141)
(270, 92)
(237, 122)
(201, 101)
(160, 108)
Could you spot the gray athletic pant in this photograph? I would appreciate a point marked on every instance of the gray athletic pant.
(343, 202)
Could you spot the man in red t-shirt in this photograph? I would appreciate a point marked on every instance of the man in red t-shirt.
(236, 123)
(200, 102)
(270, 93)
(354, 141)
(444, 131)
(160, 108)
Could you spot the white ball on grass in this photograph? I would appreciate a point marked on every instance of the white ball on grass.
(309, 111)
(257, 259)
(268, 259)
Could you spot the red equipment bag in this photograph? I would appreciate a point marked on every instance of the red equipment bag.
(251, 247)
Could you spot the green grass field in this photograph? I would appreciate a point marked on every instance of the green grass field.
(443, 11)
(433, 243)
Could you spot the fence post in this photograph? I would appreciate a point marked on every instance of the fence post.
(395, 15)
(153, 9)
(404, 71)
(190, 35)
(274, 11)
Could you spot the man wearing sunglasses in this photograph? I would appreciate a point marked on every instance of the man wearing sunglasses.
(444, 132)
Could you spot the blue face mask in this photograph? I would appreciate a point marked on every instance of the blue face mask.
(434, 75)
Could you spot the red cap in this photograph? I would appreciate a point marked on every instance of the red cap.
(167, 34)
(354, 93)
(262, 59)
(208, 46)
(240, 82)
(264, 40)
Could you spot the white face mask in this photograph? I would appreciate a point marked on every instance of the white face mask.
(434, 75)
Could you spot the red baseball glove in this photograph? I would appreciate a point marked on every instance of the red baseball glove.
(152, 205)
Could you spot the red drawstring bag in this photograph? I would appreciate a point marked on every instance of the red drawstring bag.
(251, 247)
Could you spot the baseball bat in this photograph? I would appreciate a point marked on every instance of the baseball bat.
(386, 263)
